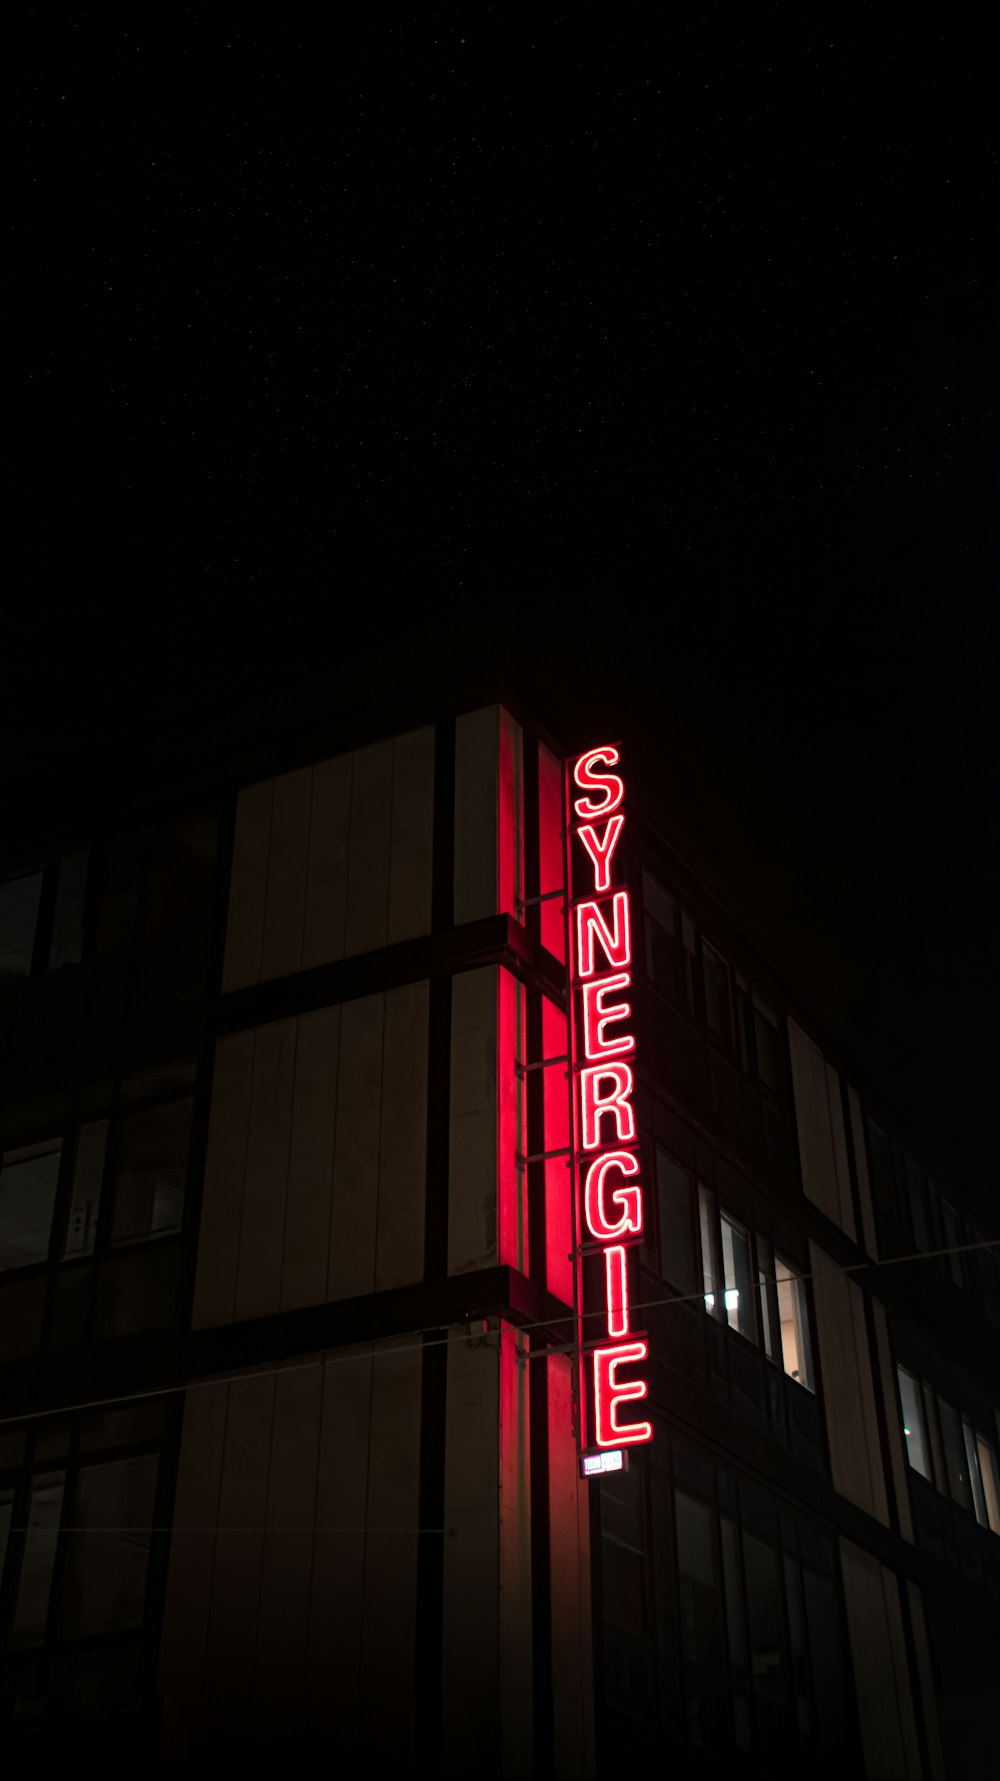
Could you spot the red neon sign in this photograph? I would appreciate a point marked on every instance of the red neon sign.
(612, 1191)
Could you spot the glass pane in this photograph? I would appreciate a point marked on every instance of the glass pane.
(690, 957)
(6, 1512)
(18, 920)
(917, 1450)
(718, 1013)
(768, 1040)
(88, 1173)
(661, 937)
(152, 1169)
(828, 1674)
(28, 1181)
(44, 1511)
(105, 1580)
(956, 1463)
(699, 1581)
(952, 1240)
(67, 920)
(972, 1465)
(709, 1261)
(622, 1550)
(160, 1084)
(916, 1187)
(931, 1425)
(991, 1482)
(793, 1316)
(734, 1614)
(764, 1606)
(880, 1170)
(764, 1275)
(738, 1277)
(675, 1198)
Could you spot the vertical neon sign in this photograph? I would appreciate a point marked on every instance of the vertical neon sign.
(601, 974)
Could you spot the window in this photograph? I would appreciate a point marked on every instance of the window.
(793, 1318)
(765, 1273)
(917, 1449)
(660, 913)
(152, 1169)
(738, 1277)
(972, 1467)
(19, 902)
(956, 1461)
(701, 1629)
(916, 1188)
(952, 1241)
(675, 1203)
(880, 1170)
(709, 1256)
(34, 1589)
(990, 1483)
(88, 1175)
(718, 1010)
(768, 1040)
(623, 1546)
(105, 1577)
(28, 1180)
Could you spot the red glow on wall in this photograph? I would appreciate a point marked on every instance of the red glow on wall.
(609, 785)
(628, 1199)
(597, 1015)
(615, 941)
(609, 1392)
(601, 848)
(605, 1116)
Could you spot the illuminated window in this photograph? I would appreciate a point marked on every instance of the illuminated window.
(737, 1277)
(709, 1255)
(793, 1319)
(28, 1180)
(917, 1449)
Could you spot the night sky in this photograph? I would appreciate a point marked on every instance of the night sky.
(467, 340)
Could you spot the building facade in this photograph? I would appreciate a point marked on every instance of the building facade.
(294, 1291)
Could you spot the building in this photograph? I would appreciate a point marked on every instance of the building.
(289, 1469)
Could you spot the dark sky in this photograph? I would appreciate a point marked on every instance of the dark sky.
(454, 335)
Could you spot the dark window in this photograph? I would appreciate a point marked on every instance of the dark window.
(35, 1584)
(88, 1175)
(661, 919)
(718, 1011)
(701, 1624)
(767, 1035)
(28, 1180)
(19, 902)
(678, 1244)
(917, 1190)
(955, 1459)
(67, 917)
(828, 1673)
(152, 1170)
(880, 1171)
(952, 1240)
(107, 1553)
(623, 1550)
(766, 1298)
